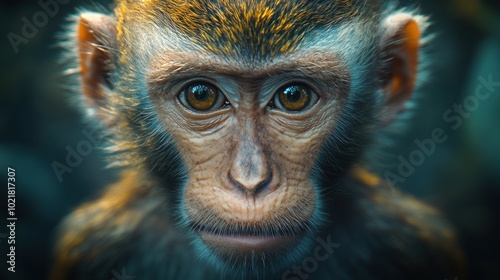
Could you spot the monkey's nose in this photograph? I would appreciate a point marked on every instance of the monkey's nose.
(251, 185)
(250, 172)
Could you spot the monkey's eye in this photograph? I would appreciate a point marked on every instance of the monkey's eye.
(202, 96)
(294, 97)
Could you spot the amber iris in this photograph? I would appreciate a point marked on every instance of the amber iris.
(294, 97)
(201, 96)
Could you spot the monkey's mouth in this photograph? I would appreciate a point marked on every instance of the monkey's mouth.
(250, 240)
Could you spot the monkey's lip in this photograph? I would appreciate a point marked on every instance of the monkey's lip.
(242, 242)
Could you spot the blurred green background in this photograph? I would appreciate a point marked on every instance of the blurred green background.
(462, 177)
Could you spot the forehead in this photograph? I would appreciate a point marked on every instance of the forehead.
(253, 28)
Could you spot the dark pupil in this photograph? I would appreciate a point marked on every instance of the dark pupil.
(293, 93)
(201, 92)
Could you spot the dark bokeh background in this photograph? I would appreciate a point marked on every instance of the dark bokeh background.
(462, 177)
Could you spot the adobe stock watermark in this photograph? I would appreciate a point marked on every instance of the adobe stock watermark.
(121, 276)
(310, 264)
(454, 117)
(30, 28)
(75, 155)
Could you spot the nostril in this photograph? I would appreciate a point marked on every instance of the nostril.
(252, 188)
(264, 184)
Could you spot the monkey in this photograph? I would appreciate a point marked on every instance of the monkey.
(242, 131)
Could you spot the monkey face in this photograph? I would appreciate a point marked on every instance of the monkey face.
(249, 143)
(262, 119)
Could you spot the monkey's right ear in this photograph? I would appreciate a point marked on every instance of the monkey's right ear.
(96, 37)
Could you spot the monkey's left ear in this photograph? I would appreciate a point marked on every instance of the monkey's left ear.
(96, 37)
(400, 48)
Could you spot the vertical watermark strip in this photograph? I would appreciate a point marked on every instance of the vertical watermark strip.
(11, 218)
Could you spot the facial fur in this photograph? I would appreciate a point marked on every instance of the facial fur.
(250, 169)
(247, 139)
